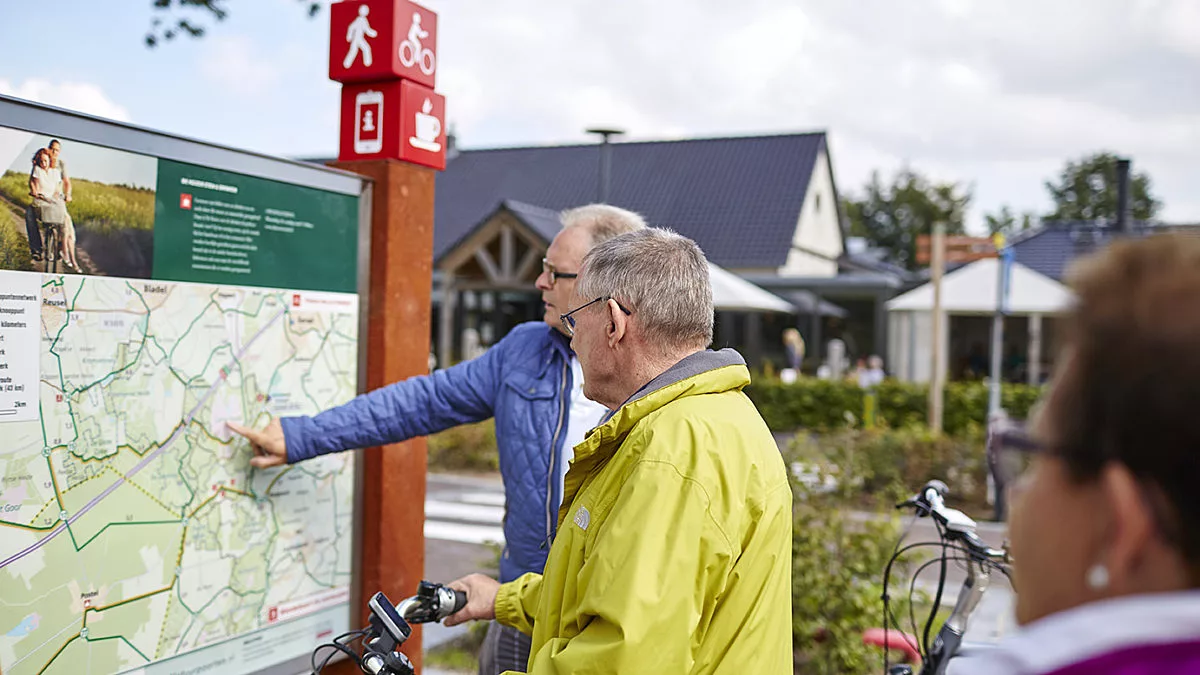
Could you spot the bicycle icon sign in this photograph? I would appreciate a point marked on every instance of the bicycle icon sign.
(412, 52)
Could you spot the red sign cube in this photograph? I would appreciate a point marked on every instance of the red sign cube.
(393, 120)
(372, 40)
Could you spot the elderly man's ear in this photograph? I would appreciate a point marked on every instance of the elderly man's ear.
(618, 323)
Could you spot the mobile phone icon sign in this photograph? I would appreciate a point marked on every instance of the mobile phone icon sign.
(368, 122)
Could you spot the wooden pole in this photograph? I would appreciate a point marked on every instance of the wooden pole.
(936, 372)
(391, 551)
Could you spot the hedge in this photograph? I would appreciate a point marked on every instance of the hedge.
(823, 405)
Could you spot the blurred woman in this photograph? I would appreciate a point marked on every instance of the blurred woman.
(1105, 522)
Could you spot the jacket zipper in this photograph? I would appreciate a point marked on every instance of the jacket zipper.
(562, 413)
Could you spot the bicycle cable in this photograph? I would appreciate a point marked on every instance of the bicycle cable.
(337, 645)
(886, 598)
(888, 614)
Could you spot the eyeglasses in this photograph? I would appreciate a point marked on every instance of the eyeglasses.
(568, 321)
(1011, 450)
(555, 275)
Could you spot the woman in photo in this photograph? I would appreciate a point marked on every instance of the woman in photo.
(45, 185)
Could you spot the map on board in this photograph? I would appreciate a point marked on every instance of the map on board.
(133, 526)
(134, 535)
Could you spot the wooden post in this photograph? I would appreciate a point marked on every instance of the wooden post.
(1034, 361)
(936, 372)
(391, 553)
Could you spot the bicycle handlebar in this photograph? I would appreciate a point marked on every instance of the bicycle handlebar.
(389, 628)
(432, 603)
(956, 527)
(931, 502)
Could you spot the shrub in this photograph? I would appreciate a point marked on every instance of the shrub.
(837, 580)
(470, 447)
(877, 468)
(823, 405)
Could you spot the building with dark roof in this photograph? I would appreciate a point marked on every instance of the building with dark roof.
(1051, 248)
(763, 207)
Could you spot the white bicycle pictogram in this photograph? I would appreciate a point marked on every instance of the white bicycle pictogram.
(412, 51)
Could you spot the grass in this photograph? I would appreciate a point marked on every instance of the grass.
(98, 206)
(14, 247)
(470, 447)
(462, 653)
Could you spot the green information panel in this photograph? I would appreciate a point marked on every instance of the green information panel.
(220, 227)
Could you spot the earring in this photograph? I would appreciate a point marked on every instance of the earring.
(1097, 577)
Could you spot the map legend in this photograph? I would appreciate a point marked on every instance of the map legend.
(20, 318)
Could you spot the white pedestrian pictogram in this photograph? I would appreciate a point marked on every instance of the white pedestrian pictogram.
(369, 121)
(357, 34)
(413, 52)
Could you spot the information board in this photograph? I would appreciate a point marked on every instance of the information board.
(134, 535)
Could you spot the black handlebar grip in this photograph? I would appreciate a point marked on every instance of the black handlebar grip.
(460, 601)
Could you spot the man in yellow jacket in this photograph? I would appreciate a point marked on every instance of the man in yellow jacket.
(673, 552)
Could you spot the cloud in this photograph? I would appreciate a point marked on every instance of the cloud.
(234, 62)
(79, 96)
(994, 95)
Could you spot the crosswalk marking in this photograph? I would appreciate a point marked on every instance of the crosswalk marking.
(468, 534)
(489, 498)
(464, 510)
(440, 510)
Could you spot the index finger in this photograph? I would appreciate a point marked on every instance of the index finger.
(254, 435)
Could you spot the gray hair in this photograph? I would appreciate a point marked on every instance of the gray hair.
(603, 221)
(662, 277)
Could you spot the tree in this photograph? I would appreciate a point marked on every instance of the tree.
(892, 216)
(1005, 222)
(1087, 190)
(168, 23)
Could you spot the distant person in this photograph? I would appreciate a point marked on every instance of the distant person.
(860, 370)
(530, 381)
(675, 548)
(50, 204)
(977, 362)
(793, 345)
(870, 372)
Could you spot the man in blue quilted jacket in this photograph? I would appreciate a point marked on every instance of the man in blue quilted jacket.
(530, 382)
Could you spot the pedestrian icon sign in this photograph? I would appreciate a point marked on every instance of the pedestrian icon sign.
(382, 40)
(356, 35)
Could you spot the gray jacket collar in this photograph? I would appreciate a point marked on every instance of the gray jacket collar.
(689, 366)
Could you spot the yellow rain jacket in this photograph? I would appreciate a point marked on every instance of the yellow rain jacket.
(673, 552)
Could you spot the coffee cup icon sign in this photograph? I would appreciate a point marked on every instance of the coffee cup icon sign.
(428, 129)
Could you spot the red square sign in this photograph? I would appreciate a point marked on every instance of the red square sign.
(371, 40)
(393, 120)
(422, 126)
(185, 201)
(370, 121)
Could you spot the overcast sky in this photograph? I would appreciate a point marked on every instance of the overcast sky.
(992, 94)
